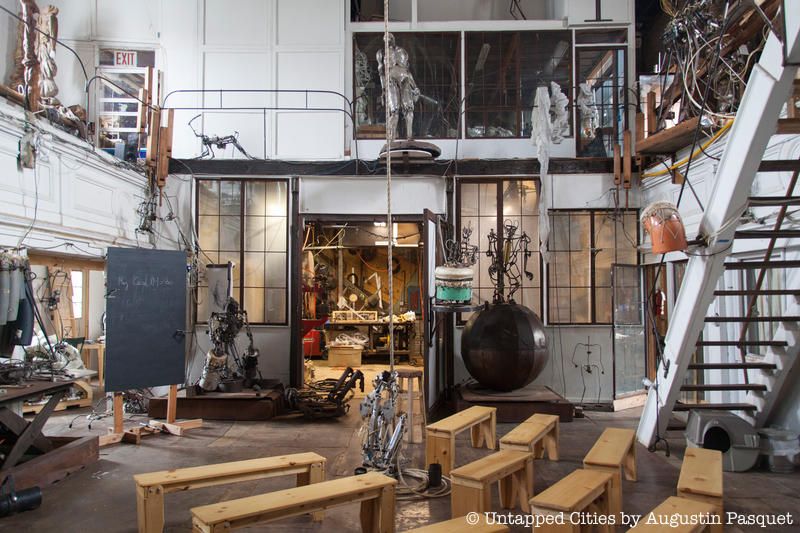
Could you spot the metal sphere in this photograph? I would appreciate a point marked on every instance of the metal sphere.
(504, 347)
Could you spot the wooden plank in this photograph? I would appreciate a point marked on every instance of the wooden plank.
(611, 448)
(574, 492)
(617, 165)
(627, 159)
(172, 403)
(670, 140)
(788, 126)
(492, 467)
(462, 420)
(675, 507)
(118, 412)
(525, 434)
(701, 472)
(294, 501)
(68, 456)
(219, 473)
(153, 132)
(650, 112)
(16, 425)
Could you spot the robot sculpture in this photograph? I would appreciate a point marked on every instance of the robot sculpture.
(382, 434)
(399, 88)
(218, 372)
(454, 278)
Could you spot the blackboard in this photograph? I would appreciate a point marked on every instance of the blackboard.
(145, 318)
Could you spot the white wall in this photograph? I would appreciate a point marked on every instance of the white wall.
(367, 195)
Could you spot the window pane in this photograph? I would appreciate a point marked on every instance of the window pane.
(530, 198)
(276, 305)
(560, 305)
(255, 198)
(580, 269)
(230, 198)
(254, 303)
(469, 199)
(208, 232)
(276, 198)
(488, 199)
(559, 232)
(254, 269)
(208, 199)
(230, 233)
(233, 257)
(602, 307)
(580, 299)
(276, 234)
(276, 270)
(579, 232)
(602, 268)
(559, 269)
(254, 234)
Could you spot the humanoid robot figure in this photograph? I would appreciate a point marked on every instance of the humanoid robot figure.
(400, 89)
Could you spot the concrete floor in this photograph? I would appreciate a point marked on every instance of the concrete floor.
(101, 498)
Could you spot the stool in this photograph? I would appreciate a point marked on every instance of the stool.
(690, 512)
(701, 479)
(536, 434)
(614, 452)
(418, 396)
(440, 445)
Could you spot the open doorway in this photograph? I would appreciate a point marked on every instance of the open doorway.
(346, 301)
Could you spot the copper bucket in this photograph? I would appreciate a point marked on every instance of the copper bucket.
(664, 224)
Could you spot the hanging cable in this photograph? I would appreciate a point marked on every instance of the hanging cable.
(389, 225)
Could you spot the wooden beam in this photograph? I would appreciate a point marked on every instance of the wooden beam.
(670, 140)
(172, 403)
(627, 159)
(650, 110)
(617, 165)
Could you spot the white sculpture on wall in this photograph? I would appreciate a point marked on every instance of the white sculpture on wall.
(587, 107)
(46, 53)
(558, 113)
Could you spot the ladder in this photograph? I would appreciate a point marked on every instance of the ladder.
(768, 88)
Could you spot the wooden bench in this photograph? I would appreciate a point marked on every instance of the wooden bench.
(614, 452)
(581, 491)
(441, 436)
(536, 434)
(151, 487)
(460, 525)
(472, 483)
(375, 491)
(701, 478)
(671, 507)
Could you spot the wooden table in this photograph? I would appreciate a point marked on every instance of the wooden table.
(57, 457)
(100, 348)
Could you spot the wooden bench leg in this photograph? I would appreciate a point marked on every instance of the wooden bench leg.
(477, 435)
(315, 474)
(467, 499)
(529, 486)
(440, 449)
(490, 434)
(386, 505)
(150, 509)
(614, 489)
(507, 488)
(630, 464)
(551, 442)
(370, 515)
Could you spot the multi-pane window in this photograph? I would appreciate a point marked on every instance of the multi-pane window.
(503, 71)
(244, 221)
(433, 60)
(602, 91)
(489, 205)
(123, 75)
(584, 244)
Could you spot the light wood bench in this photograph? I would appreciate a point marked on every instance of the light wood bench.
(701, 478)
(151, 487)
(581, 491)
(460, 525)
(671, 507)
(441, 436)
(472, 483)
(536, 434)
(614, 452)
(375, 491)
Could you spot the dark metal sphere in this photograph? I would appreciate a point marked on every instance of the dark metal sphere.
(504, 347)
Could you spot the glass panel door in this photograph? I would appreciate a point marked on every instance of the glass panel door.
(629, 339)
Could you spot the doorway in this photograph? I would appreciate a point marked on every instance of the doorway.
(345, 299)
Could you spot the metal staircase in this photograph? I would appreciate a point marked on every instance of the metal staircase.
(768, 88)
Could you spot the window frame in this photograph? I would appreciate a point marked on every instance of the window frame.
(239, 291)
(591, 212)
(499, 181)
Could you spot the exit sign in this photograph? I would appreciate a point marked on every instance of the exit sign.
(124, 58)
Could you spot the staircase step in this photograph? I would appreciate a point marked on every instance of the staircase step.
(768, 234)
(746, 265)
(774, 344)
(725, 387)
(757, 201)
(753, 319)
(762, 292)
(681, 406)
(732, 366)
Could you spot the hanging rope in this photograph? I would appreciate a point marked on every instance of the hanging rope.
(389, 224)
